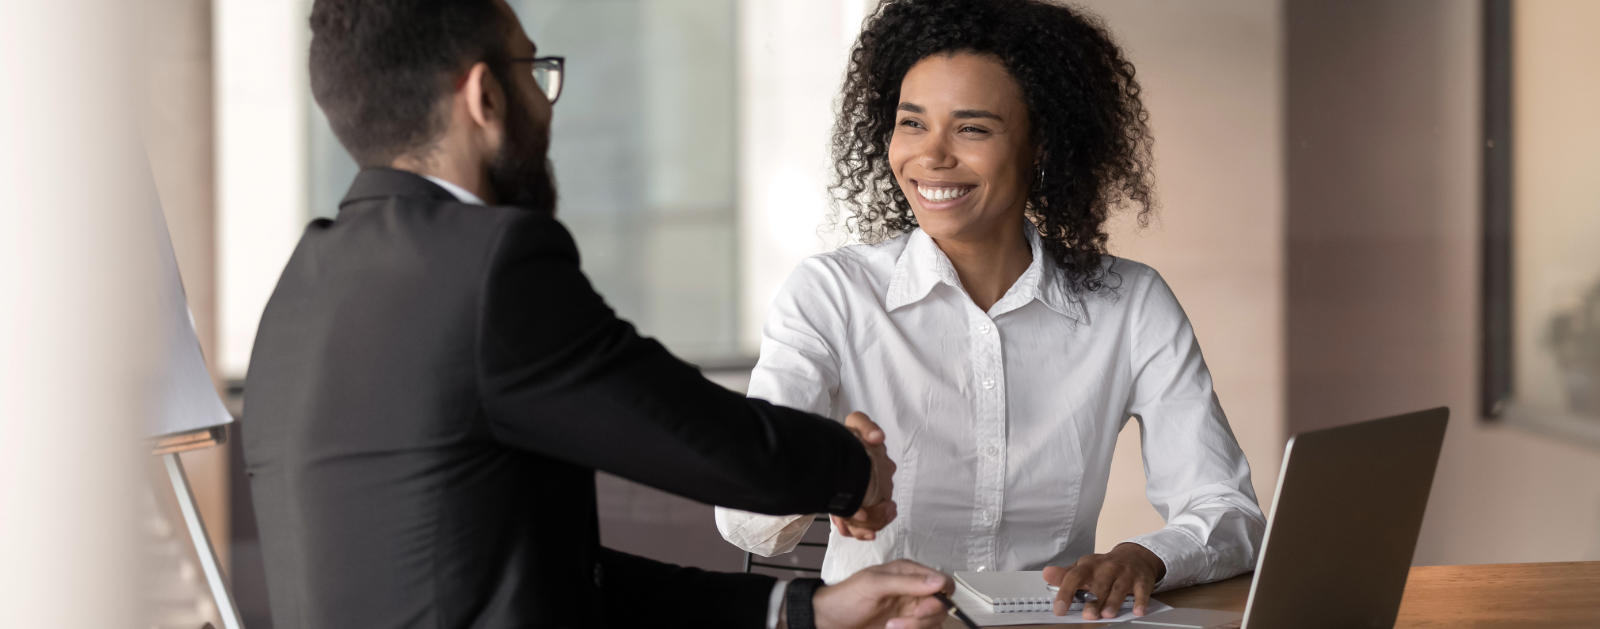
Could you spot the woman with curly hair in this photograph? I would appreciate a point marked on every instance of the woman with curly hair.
(980, 148)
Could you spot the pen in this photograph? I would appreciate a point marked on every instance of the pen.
(960, 615)
(1082, 596)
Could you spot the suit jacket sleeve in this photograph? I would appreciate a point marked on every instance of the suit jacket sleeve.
(564, 377)
(673, 596)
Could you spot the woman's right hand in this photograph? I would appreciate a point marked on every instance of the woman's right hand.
(877, 508)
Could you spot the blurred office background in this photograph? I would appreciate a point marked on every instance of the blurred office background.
(1322, 179)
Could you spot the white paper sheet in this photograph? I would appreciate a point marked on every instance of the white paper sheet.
(185, 399)
(975, 608)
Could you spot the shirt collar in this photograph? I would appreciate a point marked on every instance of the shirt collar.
(461, 194)
(922, 265)
(381, 182)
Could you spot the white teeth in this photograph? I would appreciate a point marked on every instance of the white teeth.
(941, 194)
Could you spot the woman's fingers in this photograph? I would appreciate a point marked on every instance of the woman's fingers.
(1109, 579)
(1111, 605)
(1142, 589)
(867, 521)
(1070, 580)
(859, 423)
(1100, 587)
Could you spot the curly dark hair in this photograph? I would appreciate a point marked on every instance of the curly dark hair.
(1083, 104)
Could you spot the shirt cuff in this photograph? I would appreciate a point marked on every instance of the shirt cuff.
(1183, 556)
(775, 602)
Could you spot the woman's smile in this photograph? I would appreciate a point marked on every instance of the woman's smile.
(963, 156)
(941, 195)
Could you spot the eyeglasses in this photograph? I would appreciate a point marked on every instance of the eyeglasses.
(547, 73)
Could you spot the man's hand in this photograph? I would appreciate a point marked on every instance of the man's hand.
(896, 595)
(877, 508)
(1127, 569)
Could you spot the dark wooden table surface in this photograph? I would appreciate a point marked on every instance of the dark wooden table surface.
(1492, 596)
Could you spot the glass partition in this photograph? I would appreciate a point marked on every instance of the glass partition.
(643, 145)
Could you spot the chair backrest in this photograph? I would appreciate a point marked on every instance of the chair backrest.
(801, 564)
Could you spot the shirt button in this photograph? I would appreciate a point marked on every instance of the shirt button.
(988, 384)
(983, 329)
(991, 451)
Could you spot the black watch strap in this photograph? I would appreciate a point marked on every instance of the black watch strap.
(797, 601)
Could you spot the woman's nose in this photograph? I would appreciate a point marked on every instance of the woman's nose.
(936, 153)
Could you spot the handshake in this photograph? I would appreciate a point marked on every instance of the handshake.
(877, 508)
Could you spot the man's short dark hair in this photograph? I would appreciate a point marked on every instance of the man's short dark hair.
(381, 68)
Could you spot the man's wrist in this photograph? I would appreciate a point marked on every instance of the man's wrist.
(797, 610)
(849, 496)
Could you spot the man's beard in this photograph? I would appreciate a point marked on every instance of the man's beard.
(521, 173)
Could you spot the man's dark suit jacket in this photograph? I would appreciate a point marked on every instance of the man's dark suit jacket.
(432, 388)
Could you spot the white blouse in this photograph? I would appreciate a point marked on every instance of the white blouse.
(1003, 423)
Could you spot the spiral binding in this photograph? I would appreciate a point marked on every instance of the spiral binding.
(1034, 604)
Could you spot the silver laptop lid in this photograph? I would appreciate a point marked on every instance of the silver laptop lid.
(1344, 524)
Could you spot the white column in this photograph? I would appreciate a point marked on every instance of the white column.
(260, 52)
(76, 307)
(792, 56)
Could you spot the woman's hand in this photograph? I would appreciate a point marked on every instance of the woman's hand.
(877, 507)
(1127, 569)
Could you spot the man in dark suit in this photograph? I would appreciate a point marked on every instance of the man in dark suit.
(434, 381)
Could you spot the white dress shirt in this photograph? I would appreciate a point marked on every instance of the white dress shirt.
(461, 194)
(1003, 423)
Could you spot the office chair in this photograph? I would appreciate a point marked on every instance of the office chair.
(750, 562)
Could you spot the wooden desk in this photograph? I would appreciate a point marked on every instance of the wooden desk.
(1493, 596)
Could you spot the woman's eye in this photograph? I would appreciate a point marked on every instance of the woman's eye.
(973, 130)
(910, 123)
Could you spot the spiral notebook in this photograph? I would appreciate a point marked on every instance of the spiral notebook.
(1017, 594)
(1009, 591)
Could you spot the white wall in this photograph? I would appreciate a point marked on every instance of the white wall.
(260, 52)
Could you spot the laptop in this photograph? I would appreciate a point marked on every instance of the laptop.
(1343, 528)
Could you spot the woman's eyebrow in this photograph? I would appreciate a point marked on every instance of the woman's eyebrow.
(959, 114)
(962, 114)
